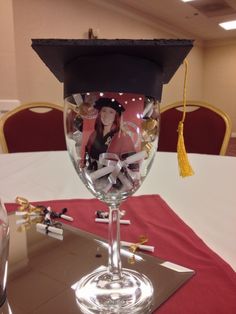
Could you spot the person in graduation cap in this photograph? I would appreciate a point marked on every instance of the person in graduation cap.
(108, 136)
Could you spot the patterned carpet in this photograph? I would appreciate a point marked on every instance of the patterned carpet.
(231, 150)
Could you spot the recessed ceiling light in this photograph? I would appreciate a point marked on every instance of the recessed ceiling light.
(228, 25)
(187, 0)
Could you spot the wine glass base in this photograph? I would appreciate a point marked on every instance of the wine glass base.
(99, 292)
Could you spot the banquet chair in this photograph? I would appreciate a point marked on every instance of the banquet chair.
(207, 129)
(31, 127)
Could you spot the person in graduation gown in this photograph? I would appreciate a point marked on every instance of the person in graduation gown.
(108, 136)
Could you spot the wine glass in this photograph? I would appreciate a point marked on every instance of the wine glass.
(112, 139)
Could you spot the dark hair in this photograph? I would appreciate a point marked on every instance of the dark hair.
(99, 127)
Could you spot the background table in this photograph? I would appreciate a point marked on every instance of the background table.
(205, 201)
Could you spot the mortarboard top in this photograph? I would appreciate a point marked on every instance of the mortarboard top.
(117, 65)
(109, 102)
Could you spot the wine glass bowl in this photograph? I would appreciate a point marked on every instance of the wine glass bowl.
(138, 139)
(112, 139)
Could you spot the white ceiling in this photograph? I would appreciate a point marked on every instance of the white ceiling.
(197, 19)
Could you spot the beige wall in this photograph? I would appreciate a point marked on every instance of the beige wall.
(174, 90)
(60, 19)
(8, 86)
(220, 78)
(72, 19)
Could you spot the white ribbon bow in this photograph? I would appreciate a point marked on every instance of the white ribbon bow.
(113, 166)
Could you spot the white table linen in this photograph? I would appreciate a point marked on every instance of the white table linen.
(205, 201)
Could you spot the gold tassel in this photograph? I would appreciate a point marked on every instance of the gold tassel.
(185, 168)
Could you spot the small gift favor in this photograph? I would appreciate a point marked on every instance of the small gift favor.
(43, 217)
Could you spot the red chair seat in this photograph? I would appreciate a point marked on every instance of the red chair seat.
(24, 130)
(207, 129)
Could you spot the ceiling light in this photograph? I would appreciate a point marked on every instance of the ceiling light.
(187, 0)
(228, 25)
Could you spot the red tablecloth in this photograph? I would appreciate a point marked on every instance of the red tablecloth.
(211, 291)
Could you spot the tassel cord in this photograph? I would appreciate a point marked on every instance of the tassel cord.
(185, 168)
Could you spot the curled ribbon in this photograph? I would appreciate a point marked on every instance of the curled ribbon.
(133, 248)
(113, 166)
(29, 213)
(38, 215)
(24, 205)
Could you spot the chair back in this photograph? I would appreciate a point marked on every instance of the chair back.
(33, 127)
(207, 129)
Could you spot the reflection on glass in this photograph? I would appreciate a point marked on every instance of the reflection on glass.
(4, 251)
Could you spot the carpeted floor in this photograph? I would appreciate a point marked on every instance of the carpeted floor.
(231, 150)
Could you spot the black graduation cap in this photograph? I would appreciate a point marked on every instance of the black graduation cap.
(109, 102)
(117, 65)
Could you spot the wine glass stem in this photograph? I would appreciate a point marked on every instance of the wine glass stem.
(114, 260)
